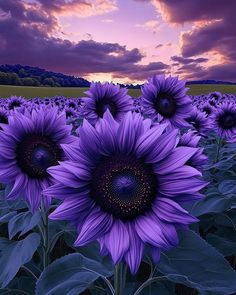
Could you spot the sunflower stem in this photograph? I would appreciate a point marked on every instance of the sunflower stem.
(45, 235)
(218, 147)
(219, 143)
(118, 279)
(148, 283)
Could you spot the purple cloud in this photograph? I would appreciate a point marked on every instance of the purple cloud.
(25, 38)
(183, 60)
(214, 32)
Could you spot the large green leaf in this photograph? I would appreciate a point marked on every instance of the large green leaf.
(71, 275)
(197, 264)
(15, 254)
(23, 222)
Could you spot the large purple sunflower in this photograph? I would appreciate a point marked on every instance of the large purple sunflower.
(165, 100)
(122, 186)
(224, 121)
(106, 96)
(29, 144)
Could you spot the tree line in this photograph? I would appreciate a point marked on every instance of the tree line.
(19, 75)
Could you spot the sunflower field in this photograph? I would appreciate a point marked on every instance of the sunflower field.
(110, 194)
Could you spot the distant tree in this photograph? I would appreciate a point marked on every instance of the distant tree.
(18, 75)
(49, 82)
(4, 78)
(27, 81)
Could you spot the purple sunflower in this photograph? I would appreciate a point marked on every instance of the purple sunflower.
(29, 144)
(15, 102)
(122, 185)
(3, 116)
(165, 100)
(207, 108)
(198, 160)
(199, 122)
(224, 121)
(106, 96)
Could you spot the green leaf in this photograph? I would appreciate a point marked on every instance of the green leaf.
(23, 222)
(226, 247)
(71, 275)
(6, 217)
(14, 255)
(197, 264)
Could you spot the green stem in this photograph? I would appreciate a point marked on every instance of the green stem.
(45, 236)
(30, 272)
(147, 283)
(219, 144)
(118, 279)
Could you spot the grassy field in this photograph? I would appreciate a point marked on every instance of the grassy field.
(28, 92)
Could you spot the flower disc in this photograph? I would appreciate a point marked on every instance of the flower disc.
(165, 105)
(123, 186)
(227, 120)
(105, 104)
(35, 154)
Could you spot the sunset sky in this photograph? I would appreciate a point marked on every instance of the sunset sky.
(121, 40)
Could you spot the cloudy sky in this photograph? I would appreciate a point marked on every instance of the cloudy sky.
(121, 40)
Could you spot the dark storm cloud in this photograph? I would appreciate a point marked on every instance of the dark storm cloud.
(214, 31)
(183, 60)
(25, 38)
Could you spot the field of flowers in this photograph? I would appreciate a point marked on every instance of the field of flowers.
(109, 194)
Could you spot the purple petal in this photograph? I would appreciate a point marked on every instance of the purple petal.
(117, 240)
(149, 140)
(96, 224)
(165, 146)
(175, 160)
(150, 232)
(133, 256)
(71, 208)
(174, 187)
(169, 211)
(130, 129)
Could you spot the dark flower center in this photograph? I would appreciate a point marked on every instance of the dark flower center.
(36, 153)
(72, 105)
(69, 114)
(215, 96)
(3, 119)
(105, 104)
(207, 110)
(165, 105)
(123, 186)
(212, 103)
(227, 121)
(196, 125)
(14, 104)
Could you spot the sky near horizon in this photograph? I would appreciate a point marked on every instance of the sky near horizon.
(121, 40)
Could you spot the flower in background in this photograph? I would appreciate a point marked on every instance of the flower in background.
(199, 122)
(106, 96)
(15, 102)
(165, 100)
(216, 95)
(3, 117)
(207, 108)
(198, 160)
(122, 185)
(29, 144)
(224, 121)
